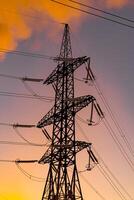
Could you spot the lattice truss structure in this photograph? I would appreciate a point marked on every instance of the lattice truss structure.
(62, 181)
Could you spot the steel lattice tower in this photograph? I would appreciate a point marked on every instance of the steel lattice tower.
(62, 181)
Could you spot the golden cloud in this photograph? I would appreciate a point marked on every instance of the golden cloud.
(15, 25)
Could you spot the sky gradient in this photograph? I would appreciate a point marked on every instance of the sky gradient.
(110, 47)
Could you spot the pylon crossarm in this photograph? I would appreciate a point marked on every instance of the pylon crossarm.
(76, 62)
(25, 161)
(48, 156)
(81, 102)
(78, 103)
(47, 119)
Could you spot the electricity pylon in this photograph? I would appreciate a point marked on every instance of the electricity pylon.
(62, 181)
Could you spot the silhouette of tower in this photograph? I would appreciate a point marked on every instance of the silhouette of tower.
(62, 181)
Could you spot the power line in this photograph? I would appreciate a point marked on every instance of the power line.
(7, 161)
(24, 81)
(23, 138)
(16, 125)
(29, 54)
(112, 175)
(115, 139)
(112, 115)
(103, 171)
(25, 78)
(93, 14)
(93, 188)
(100, 10)
(107, 177)
(120, 130)
(27, 96)
(23, 144)
(28, 175)
(10, 76)
(119, 145)
(15, 128)
(34, 94)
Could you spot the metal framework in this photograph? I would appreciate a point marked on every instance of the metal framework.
(62, 181)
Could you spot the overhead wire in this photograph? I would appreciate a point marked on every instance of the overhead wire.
(111, 173)
(109, 180)
(116, 140)
(24, 139)
(93, 14)
(119, 145)
(102, 11)
(92, 187)
(25, 96)
(29, 54)
(34, 94)
(105, 173)
(81, 119)
(112, 115)
(24, 172)
(28, 88)
(23, 144)
(121, 131)
(7, 161)
(10, 76)
(28, 175)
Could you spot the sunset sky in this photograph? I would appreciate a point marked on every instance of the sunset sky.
(37, 27)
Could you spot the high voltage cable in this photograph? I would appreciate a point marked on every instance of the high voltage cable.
(116, 140)
(29, 54)
(121, 132)
(23, 138)
(34, 94)
(108, 108)
(112, 175)
(22, 144)
(27, 96)
(11, 161)
(103, 11)
(28, 175)
(24, 81)
(11, 76)
(107, 177)
(15, 128)
(93, 188)
(105, 174)
(119, 145)
(93, 14)
(22, 78)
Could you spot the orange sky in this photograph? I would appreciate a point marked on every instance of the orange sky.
(16, 28)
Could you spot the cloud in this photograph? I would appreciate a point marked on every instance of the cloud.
(17, 17)
(116, 3)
